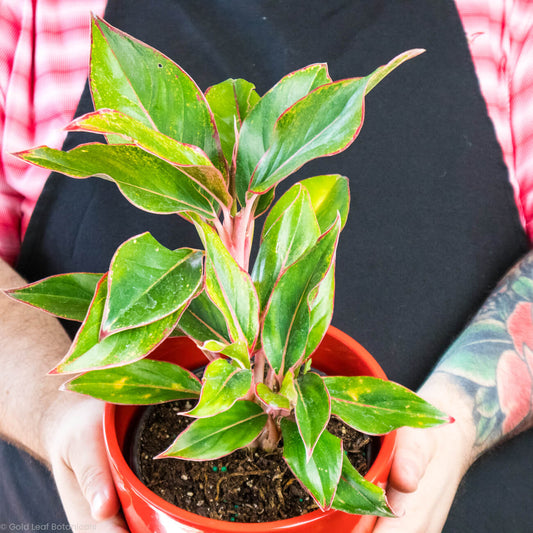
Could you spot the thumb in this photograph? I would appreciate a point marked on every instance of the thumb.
(81, 470)
(86, 489)
(413, 453)
(91, 469)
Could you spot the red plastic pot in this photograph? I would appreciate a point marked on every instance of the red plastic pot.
(146, 512)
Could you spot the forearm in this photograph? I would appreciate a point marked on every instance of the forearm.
(490, 365)
(484, 382)
(31, 344)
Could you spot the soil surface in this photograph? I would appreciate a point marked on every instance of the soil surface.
(246, 486)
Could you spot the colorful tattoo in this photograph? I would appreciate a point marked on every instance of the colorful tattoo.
(492, 359)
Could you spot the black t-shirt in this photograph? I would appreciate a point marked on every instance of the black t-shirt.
(433, 225)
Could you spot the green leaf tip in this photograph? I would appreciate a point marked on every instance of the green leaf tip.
(376, 406)
(148, 282)
(64, 295)
(219, 435)
(320, 473)
(141, 383)
(356, 495)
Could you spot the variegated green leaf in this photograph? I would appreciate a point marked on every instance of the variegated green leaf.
(288, 387)
(319, 474)
(203, 322)
(263, 202)
(191, 160)
(329, 194)
(238, 351)
(324, 122)
(219, 435)
(134, 78)
(258, 127)
(91, 352)
(230, 102)
(320, 311)
(287, 319)
(141, 383)
(230, 287)
(145, 180)
(356, 495)
(148, 282)
(312, 409)
(376, 406)
(289, 230)
(223, 384)
(65, 295)
(271, 399)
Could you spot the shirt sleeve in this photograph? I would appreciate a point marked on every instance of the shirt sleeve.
(500, 34)
(44, 63)
(43, 67)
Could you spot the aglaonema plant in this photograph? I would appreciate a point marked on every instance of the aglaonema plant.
(215, 159)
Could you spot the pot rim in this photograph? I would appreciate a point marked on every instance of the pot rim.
(381, 462)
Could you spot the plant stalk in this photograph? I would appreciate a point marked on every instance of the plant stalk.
(270, 437)
(259, 366)
(237, 234)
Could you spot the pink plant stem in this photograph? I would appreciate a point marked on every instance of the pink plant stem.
(236, 233)
(268, 440)
(271, 380)
(259, 366)
(224, 230)
(241, 234)
(210, 355)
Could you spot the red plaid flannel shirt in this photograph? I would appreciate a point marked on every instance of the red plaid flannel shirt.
(44, 51)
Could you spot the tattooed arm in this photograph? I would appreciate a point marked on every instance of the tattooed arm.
(485, 381)
(492, 361)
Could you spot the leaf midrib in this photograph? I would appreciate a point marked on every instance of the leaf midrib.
(148, 289)
(288, 160)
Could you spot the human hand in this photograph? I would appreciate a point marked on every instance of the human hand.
(59, 428)
(427, 468)
(73, 438)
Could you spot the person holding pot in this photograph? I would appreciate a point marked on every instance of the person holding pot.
(434, 260)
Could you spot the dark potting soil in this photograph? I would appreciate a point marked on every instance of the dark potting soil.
(246, 486)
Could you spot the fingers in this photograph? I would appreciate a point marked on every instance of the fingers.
(422, 515)
(94, 479)
(425, 474)
(78, 510)
(425, 510)
(414, 451)
(81, 470)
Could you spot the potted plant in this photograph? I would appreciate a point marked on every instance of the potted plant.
(216, 159)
